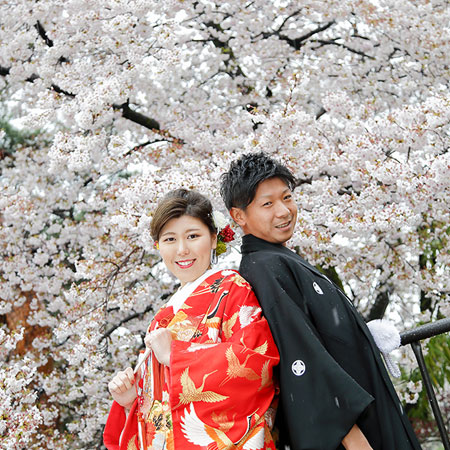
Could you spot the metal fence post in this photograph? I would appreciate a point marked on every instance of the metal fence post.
(417, 349)
(414, 337)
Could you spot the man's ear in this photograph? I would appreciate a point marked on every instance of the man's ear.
(238, 216)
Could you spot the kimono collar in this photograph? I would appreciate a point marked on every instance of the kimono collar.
(252, 244)
(177, 299)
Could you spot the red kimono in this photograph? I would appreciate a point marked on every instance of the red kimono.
(218, 392)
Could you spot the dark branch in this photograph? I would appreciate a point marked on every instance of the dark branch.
(125, 320)
(290, 16)
(4, 71)
(127, 112)
(352, 50)
(300, 181)
(298, 42)
(137, 117)
(140, 146)
(379, 307)
(43, 34)
(62, 91)
(321, 112)
(131, 317)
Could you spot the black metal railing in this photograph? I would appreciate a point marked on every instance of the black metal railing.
(413, 337)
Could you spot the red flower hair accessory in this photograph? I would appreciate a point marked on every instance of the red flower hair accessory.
(224, 232)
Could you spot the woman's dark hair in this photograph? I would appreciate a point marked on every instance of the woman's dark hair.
(239, 184)
(181, 202)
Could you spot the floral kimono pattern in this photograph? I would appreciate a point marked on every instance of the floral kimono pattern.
(218, 392)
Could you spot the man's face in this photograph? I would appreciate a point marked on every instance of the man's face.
(271, 215)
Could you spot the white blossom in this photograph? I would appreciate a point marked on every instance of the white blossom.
(135, 98)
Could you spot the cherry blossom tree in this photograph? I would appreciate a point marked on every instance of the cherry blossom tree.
(132, 98)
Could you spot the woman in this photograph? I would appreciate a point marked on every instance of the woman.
(207, 382)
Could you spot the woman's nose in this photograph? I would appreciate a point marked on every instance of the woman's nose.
(183, 248)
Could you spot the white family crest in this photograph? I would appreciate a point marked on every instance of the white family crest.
(317, 288)
(298, 368)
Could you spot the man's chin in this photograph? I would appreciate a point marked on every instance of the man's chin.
(279, 237)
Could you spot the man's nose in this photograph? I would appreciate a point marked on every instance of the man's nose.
(281, 210)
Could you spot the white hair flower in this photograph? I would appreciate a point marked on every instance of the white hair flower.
(219, 220)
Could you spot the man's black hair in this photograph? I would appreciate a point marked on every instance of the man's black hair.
(239, 184)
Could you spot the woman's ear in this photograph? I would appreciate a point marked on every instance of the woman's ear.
(238, 216)
(213, 240)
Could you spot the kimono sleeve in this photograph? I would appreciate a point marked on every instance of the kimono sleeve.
(121, 430)
(226, 386)
(320, 401)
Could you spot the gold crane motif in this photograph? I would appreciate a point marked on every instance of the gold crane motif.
(236, 369)
(227, 325)
(222, 420)
(190, 393)
(266, 379)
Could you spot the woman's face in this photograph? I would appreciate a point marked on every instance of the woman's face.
(185, 245)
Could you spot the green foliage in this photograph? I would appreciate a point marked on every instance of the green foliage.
(12, 138)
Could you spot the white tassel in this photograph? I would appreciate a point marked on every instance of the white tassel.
(387, 338)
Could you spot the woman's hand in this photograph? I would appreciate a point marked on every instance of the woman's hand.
(355, 440)
(122, 388)
(160, 342)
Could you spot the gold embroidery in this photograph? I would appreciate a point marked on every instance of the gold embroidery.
(239, 281)
(222, 421)
(228, 325)
(190, 393)
(262, 349)
(131, 445)
(180, 316)
(266, 380)
(236, 369)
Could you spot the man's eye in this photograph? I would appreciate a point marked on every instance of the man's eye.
(267, 204)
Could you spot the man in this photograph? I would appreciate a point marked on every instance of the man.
(335, 391)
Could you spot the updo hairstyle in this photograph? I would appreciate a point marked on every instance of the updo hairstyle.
(180, 202)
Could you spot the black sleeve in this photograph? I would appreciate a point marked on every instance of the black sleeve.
(320, 401)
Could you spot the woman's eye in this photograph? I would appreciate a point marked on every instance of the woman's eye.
(193, 236)
(267, 204)
(288, 197)
(169, 239)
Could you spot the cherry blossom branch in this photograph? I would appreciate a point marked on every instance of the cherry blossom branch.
(379, 306)
(338, 44)
(127, 112)
(42, 33)
(136, 315)
(137, 117)
(297, 43)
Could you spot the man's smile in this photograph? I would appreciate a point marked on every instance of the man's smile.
(284, 225)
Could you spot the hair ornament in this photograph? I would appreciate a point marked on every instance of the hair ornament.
(224, 232)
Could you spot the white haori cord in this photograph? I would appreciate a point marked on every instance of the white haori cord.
(387, 338)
